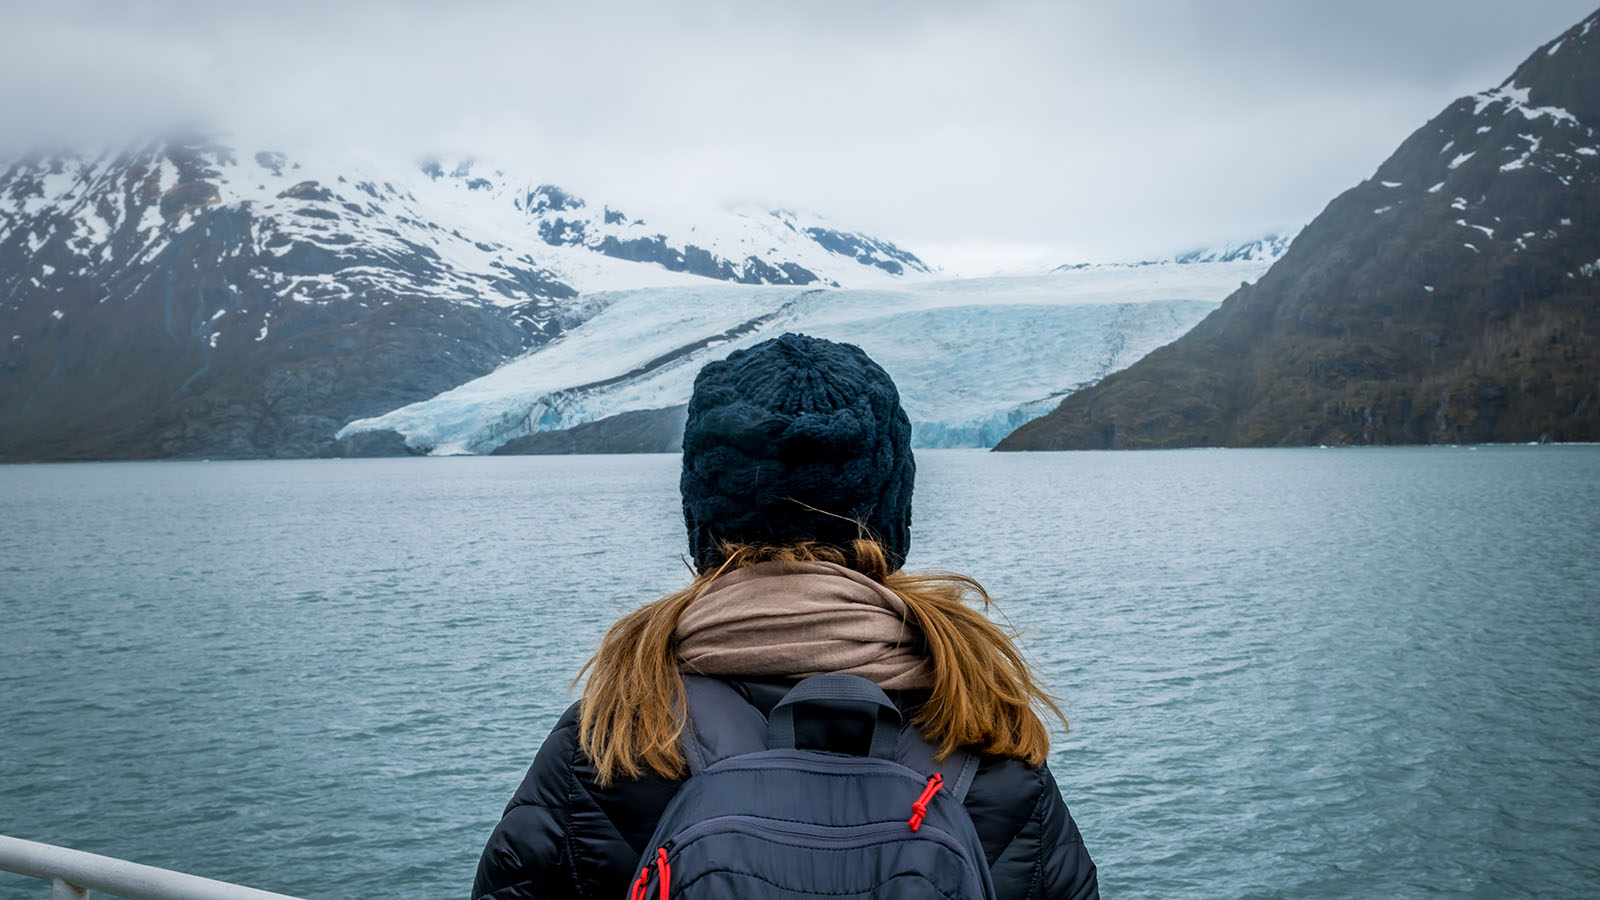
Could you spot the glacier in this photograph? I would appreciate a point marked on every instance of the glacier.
(974, 358)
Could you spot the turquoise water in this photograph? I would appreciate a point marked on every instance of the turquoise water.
(1303, 673)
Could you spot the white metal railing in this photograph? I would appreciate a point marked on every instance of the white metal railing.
(73, 873)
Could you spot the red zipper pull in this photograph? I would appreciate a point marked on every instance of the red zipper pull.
(641, 885)
(919, 809)
(665, 869)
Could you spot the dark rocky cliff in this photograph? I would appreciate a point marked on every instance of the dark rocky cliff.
(635, 431)
(142, 318)
(1450, 298)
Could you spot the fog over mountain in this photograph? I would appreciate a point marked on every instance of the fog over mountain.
(977, 135)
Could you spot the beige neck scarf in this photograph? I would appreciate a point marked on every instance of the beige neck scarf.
(792, 620)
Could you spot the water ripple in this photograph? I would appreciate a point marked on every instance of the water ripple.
(1289, 673)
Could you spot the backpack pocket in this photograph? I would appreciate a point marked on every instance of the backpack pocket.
(742, 856)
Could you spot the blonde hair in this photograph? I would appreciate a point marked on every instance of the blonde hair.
(632, 714)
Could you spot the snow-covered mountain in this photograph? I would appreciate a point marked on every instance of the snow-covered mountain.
(223, 298)
(1265, 249)
(210, 298)
(599, 246)
(974, 358)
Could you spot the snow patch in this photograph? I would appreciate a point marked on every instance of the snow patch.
(1519, 162)
(1456, 163)
(1516, 100)
(1510, 94)
(1554, 112)
(57, 314)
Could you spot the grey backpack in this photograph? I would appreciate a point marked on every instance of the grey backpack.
(759, 817)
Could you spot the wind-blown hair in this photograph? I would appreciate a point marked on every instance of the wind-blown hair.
(632, 714)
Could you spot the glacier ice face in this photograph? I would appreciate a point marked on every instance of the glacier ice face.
(974, 358)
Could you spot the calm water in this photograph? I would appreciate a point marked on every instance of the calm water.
(1303, 673)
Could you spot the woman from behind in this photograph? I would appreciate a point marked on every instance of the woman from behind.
(796, 483)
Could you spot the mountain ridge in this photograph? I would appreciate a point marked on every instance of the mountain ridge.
(1449, 298)
(195, 297)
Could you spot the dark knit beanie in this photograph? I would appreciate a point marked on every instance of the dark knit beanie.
(796, 439)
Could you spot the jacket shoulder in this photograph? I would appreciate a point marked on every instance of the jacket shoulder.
(562, 834)
(528, 853)
(1032, 844)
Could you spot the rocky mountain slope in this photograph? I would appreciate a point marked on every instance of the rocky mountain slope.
(198, 298)
(1450, 298)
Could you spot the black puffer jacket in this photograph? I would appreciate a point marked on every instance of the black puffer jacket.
(564, 836)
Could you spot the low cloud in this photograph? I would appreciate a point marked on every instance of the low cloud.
(977, 133)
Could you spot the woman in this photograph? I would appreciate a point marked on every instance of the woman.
(796, 484)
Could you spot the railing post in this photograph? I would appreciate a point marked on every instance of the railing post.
(60, 890)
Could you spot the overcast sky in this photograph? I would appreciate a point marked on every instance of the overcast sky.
(980, 135)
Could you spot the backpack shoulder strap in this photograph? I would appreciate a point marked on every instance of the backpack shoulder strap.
(964, 776)
(721, 723)
(915, 752)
